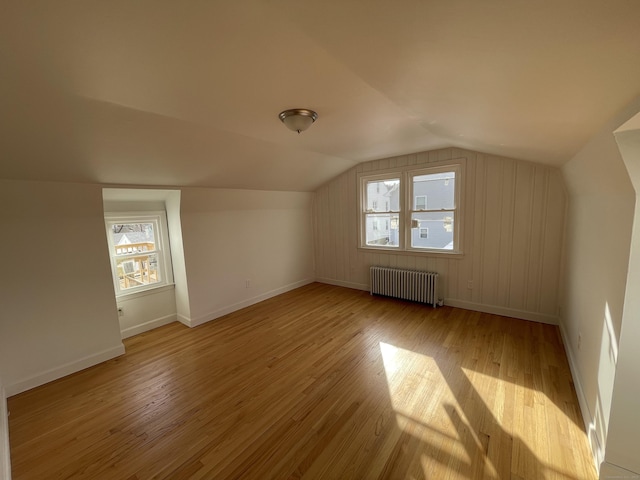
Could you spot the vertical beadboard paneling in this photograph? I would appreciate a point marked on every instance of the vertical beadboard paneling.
(445, 154)
(330, 233)
(522, 228)
(538, 219)
(421, 263)
(318, 246)
(352, 206)
(512, 221)
(422, 157)
(492, 231)
(479, 229)
(506, 230)
(334, 205)
(451, 280)
(465, 271)
(554, 234)
(361, 274)
(442, 266)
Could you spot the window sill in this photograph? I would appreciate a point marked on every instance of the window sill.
(142, 293)
(424, 253)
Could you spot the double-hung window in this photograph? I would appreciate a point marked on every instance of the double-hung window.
(422, 212)
(381, 209)
(139, 250)
(433, 208)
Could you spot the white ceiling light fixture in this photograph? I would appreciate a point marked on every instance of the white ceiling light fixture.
(298, 119)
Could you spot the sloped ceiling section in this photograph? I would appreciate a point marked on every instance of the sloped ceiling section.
(187, 93)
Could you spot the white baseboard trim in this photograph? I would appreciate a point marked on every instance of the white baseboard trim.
(340, 283)
(63, 370)
(146, 326)
(611, 471)
(478, 307)
(5, 456)
(184, 320)
(199, 320)
(589, 420)
(505, 311)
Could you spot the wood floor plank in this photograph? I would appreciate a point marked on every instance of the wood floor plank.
(322, 382)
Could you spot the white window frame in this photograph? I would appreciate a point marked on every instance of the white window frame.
(431, 170)
(406, 174)
(363, 210)
(162, 249)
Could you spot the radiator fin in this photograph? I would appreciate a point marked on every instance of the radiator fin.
(405, 284)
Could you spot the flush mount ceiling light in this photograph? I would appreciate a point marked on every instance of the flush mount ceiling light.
(298, 119)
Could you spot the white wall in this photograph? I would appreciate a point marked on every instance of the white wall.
(146, 310)
(599, 227)
(234, 236)
(623, 439)
(58, 306)
(174, 224)
(513, 218)
(59, 309)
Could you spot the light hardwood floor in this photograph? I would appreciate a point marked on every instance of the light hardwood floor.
(319, 383)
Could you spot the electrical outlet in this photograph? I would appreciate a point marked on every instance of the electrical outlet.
(470, 284)
(120, 312)
(247, 284)
(579, 340)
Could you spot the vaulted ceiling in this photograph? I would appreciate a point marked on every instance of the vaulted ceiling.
(187, 93)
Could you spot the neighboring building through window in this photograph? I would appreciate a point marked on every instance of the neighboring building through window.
(139, 251)
(437, 217)
(424, 219)
(381, 223)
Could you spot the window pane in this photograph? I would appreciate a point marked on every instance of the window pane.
(438, 187)
(382, 230)
(133, 238)
(138, 270)
(438, 227)
(383, 195)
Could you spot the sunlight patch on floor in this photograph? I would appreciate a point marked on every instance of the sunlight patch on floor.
(406, 373)
(435, 418)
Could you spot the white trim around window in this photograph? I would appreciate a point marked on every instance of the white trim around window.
(139, 251)
(441, 186)
(380, 199)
